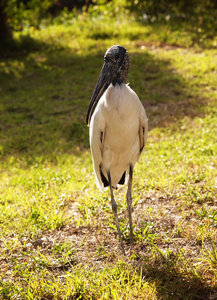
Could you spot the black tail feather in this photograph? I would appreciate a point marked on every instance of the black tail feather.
(122, 180)
(105, 181)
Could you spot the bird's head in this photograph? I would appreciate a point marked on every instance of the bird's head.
(114, 70)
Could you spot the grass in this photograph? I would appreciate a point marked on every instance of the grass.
(57, 233)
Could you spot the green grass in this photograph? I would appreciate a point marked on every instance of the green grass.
(57, 234)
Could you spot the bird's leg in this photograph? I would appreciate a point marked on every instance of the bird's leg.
(129, 205)
(114, 208)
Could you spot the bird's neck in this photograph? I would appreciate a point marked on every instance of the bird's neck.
(117, 81)
(121, 77)
(122, 73)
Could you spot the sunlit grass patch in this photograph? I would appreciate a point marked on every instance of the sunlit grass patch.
(109, 282)
(57, 234)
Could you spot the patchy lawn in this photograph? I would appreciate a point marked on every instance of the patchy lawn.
(57, 234)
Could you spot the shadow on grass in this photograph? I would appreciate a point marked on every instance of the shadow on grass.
(164, 93)
(45, 96)
(12, 48)
(173, 283)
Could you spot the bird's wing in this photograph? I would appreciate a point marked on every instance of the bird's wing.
(97, 134)
(143, 129)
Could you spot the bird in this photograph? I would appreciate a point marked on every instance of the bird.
(118, 128)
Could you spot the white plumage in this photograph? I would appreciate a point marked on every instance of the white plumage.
(121, 117)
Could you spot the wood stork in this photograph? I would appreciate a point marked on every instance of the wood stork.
(118, 129)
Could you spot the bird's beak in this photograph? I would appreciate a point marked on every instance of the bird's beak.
(103, 83)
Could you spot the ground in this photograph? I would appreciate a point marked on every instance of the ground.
(58, 236)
